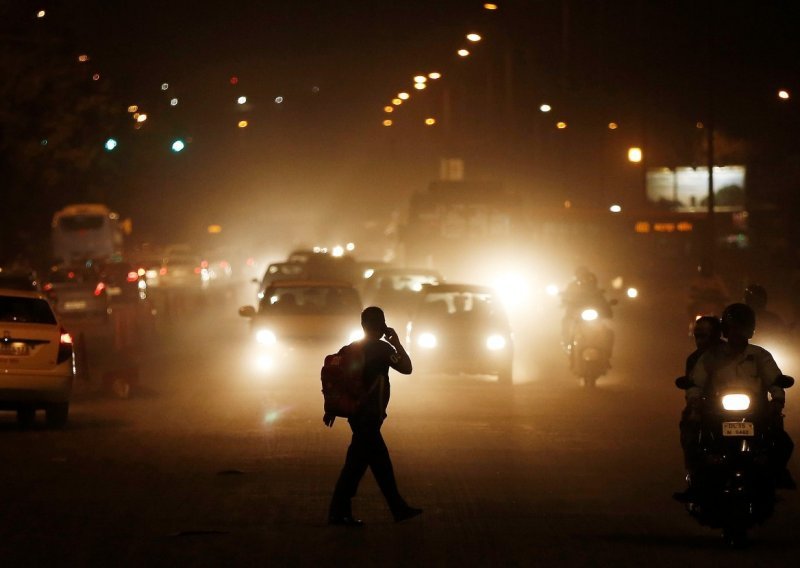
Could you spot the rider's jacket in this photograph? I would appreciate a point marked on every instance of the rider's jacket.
(721, 367)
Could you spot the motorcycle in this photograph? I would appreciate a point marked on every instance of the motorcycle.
(734, 486)
(590, 343)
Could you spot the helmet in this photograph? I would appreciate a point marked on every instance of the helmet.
(755, 296)
(741, 316)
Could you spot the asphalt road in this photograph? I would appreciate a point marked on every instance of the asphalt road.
(205, 465)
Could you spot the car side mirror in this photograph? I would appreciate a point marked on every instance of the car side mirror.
(784, 381)
(247, 311)
(684, 383)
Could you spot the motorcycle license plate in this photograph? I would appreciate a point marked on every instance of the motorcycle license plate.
(738, 429)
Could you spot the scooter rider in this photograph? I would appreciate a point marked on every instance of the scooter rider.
(580, 293)
(739, 362)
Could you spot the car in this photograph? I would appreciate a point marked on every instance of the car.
(181, 271)
(297, 315)
(77, 291)
(280, 271)
(36, 358)
(461, 328)
(124, 284)
(15, 279)
(396, 290)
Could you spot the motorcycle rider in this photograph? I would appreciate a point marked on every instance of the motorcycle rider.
(769, 323)
(737, 361)
(579, 294)
(707, 334)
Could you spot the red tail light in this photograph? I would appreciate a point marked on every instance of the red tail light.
(47, 287)
(64, 346)
(66, 338)
(197, 270)
(163, 270)
(133, 276)
(100, 288)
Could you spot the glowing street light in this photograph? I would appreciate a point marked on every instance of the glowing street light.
(173, 102)
(133, 108)
(110, 144)
(141, 118)
(397, 102)
(420, 79)
(545, 108)
(463, 52)
(489, 6)
(41, 14)
(387, 122)
(388, 109)
(430, 121)
(403, 96)
(435, 75)
(615, 208)
(613, 125)
(474, 38)
(178, 145)
(242, 124)
(241, 100)
(561, 125)
(164, 86)
(420, 86)
(83, 58)
(635, 155)
(783, 95)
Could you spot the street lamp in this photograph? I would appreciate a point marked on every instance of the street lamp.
(141, 118)
(420, 86)
(783, 94)
(241, 100)
(420, 79)
(489, 6)
(178, 145)
(635, 155)
(242, 124)
(388, 109)
(41, 14)
(173, 102)
(434, 75)
(561, 125)
(545, 108)
(430, 121)
(133, 108)
(110, 144)
(613, 126)
(397, 102)
(463, 52)
(615, 208)
(387, 122)
(403, 96)
(474, 38)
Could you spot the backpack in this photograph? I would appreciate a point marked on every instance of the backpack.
(342, 379)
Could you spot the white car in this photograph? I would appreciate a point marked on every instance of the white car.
(36, 358)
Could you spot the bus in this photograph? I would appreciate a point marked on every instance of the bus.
(86, 231)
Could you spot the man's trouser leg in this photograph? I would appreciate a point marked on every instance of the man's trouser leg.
(381, 465)
(355, 465)
(690, 442)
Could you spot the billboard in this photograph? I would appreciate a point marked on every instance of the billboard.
(686, 188)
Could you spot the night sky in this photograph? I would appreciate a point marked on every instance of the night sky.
(646, 65)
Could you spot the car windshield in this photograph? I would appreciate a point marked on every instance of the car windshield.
(25, 310)
(72, 276)
(81, 222)
(470, 305)
(401, 283)
(321, 300)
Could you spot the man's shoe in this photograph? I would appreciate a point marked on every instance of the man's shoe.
(346, 521)
(407, 513)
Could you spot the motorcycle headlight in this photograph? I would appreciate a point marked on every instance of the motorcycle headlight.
(735, 402)
(356, 335)
(266, 337)
(427, 340)
(589, 315)
(495, 342)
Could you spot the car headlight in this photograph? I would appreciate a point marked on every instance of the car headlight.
(495, 342)
(356, 335)
(427, 340)
(633, 293)
(735, 402)
(589, 315)
(266, 337)
(552, 290)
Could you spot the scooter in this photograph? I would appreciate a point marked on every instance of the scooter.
(734, 486)
(591, 343)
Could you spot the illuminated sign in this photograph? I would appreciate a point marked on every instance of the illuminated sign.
(686, 189)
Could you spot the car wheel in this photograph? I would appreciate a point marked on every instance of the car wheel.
(26, 417)
(57, 415)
